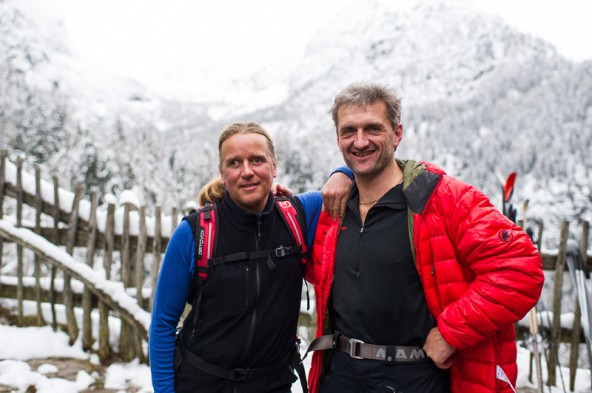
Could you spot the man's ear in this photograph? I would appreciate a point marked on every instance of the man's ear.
(398, 135)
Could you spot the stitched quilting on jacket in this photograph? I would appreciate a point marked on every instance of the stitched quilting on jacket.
(480, 274)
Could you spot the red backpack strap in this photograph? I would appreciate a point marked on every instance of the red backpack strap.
(205, 239)
(204, 227)
(290, 215)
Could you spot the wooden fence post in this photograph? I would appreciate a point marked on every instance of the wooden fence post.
(67, 291)
(577, 330)
(56, 241)
(37, 261)
(3, 154)
(19, 248)
(139, 274)
(126, 350)
(156, 253)
(87, 338)
(140, 253)
(174, 219)
(104, 348)
(553, 361)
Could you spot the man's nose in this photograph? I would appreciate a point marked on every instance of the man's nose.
(361, 140)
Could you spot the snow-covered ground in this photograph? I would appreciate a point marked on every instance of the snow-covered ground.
(17, 345)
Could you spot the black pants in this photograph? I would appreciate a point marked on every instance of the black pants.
(348, 375)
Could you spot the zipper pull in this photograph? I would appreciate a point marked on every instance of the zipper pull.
(258, 229)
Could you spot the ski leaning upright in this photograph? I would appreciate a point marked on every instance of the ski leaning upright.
(509, 211)
(580, 276)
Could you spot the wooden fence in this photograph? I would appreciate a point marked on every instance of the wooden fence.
(119, 234)
(131, 244)
(575, 335)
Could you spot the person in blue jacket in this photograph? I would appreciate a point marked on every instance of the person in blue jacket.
(241, 335)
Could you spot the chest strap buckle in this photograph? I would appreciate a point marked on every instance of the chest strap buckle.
(280, 252)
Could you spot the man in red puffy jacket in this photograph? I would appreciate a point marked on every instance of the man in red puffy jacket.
(419, 284)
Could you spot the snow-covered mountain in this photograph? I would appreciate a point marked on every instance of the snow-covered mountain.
(479, 98)
(107, 132)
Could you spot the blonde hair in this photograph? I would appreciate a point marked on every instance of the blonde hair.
(211, 192)
(214, 190)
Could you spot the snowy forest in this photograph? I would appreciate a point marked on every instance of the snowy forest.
(480, 99)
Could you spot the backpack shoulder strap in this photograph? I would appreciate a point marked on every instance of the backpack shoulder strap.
(205, 239)
(203, 227)
(291, 218)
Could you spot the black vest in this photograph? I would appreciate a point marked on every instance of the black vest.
(249, 308)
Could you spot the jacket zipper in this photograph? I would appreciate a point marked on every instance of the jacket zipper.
(257, 290)
(357, 262)
(254, 315)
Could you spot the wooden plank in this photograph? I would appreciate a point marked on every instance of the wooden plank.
(19, 249)
(125, 248)
(109, 240)
(3, 155)
(55, 213)
(126, 344)
(68, 297)
(575, 344)
(87, 338)
(174, 218)
(81, 235)
(8, 291)
(156, 253)
(139, 275)
(82, 238)
(553, 360)
(140, 253)
(575, 347)
(37, 260)
(48, 208)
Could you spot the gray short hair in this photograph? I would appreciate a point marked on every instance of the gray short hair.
(364, 93)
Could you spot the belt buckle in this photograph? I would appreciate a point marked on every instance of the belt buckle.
(353, 346)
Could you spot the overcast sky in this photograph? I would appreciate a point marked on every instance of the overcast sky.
(158, 40)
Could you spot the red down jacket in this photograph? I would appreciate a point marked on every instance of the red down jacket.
(480, 273)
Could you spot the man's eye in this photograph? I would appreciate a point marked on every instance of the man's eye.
(234, 163)
(346, 131)
(257, 161)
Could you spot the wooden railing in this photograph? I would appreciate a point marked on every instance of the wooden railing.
(128, 241)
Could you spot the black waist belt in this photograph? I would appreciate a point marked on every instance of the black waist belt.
(358, 349)
(235, 374)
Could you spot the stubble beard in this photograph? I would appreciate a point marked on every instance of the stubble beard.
(374, 169)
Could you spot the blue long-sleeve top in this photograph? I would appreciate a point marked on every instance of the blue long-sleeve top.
(172, 290)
